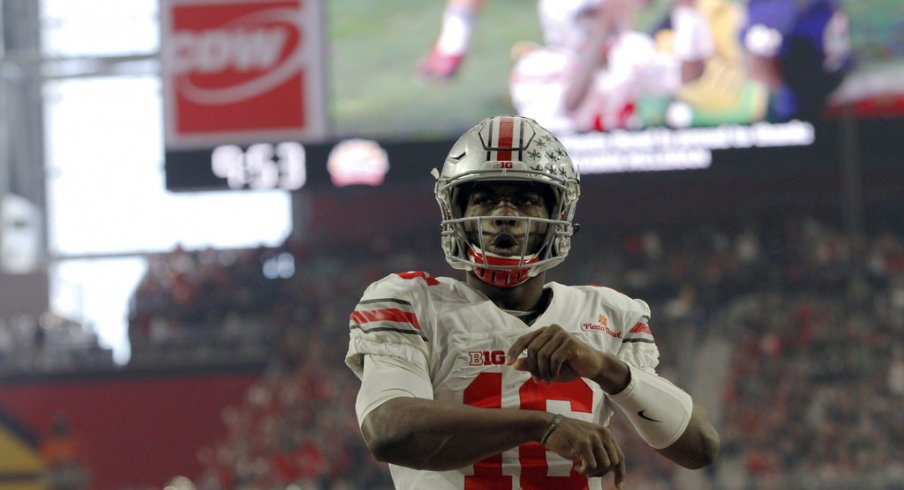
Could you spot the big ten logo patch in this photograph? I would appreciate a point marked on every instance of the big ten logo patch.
(486, 358)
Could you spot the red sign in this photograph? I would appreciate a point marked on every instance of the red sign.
(242, 71)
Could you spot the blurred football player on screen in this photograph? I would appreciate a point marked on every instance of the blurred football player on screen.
(800, 50)
(505, 380)
(593, 82)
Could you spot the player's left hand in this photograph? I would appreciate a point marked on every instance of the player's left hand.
(555, 355)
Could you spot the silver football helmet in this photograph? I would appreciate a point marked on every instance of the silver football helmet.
(507, 148)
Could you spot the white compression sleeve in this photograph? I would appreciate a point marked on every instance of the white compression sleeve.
(387, 377)
(657, 409)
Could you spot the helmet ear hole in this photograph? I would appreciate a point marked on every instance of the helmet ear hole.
(448, 243)
(563, 246)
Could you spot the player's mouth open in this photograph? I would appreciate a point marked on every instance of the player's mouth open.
(505, 244)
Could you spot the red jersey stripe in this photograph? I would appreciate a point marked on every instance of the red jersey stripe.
(386, 315)
(641, 328)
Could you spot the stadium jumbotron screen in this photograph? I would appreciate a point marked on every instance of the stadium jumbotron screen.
(627, 86)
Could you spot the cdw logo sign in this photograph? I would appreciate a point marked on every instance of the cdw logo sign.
(237, 49)
(241, 71)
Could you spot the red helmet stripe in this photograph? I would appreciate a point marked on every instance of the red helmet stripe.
(506, 130)
(504, 139)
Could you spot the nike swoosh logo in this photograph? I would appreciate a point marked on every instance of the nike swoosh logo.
(643, 416)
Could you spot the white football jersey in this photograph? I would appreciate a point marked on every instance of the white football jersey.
(460, 337)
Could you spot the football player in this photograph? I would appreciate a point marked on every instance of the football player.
(505, 380)
(594, 85)
(800, 50)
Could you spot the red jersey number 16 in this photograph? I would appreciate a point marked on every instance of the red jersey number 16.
(486, 392)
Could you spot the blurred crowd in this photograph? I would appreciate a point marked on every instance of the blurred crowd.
(296, 425)
(815, 394)
(207, 306)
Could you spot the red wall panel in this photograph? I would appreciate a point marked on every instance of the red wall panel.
(132, 430)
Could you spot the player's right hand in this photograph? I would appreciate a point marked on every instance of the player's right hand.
(593, 447)
(553, 354)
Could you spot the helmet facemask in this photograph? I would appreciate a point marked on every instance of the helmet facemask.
(529, 154)
(533, 253)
